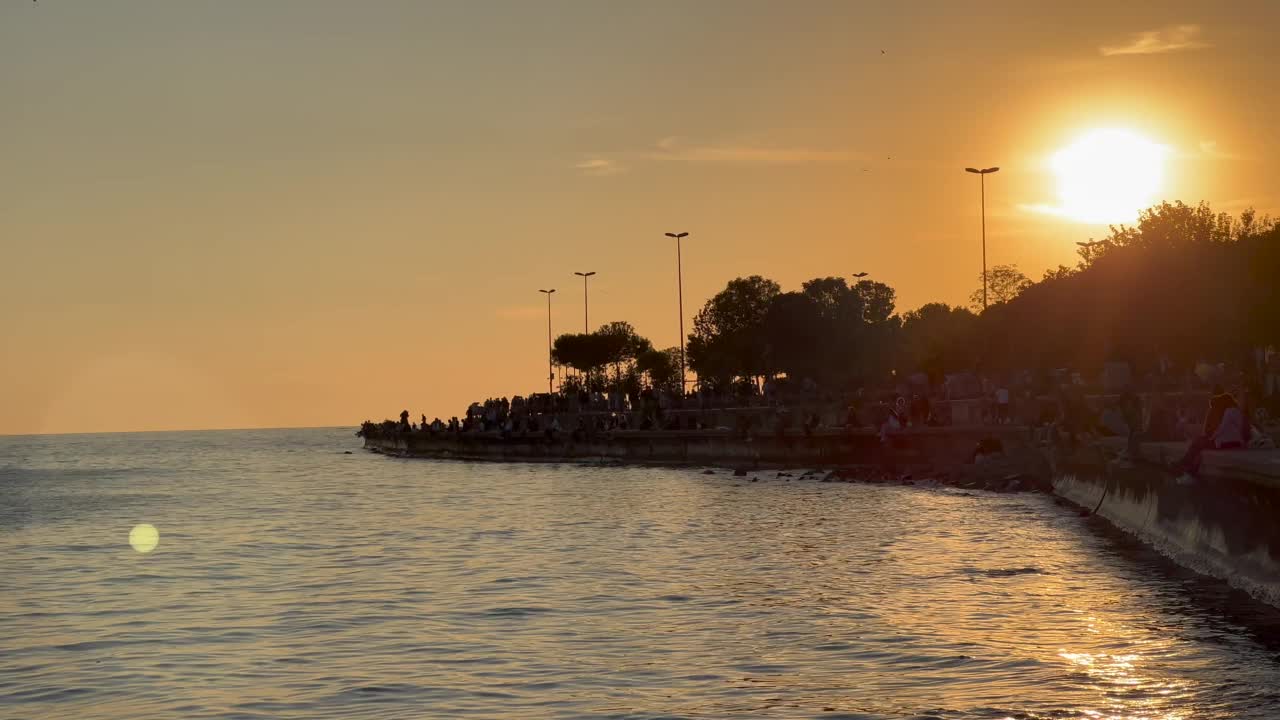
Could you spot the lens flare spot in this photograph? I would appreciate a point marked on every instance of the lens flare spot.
(144, 537)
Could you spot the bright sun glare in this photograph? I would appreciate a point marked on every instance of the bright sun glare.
(1108, 175)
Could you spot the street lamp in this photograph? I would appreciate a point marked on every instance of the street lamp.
(551, 372)
(586, 327)
(982, 182)
(680, 296)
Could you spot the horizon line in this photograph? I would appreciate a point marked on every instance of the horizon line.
(172, 430)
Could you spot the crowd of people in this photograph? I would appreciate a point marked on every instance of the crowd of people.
(1062, 403)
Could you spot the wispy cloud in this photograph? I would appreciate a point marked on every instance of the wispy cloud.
(1164, 40)
(685, 150)
(598, 166)
(681, 149)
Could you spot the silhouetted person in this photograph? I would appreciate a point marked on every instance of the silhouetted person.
(1002, 405)
(1131, 411)
(986, 447)
(919, 410)
(1225, 428)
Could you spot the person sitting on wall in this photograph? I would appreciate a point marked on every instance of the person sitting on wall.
(919, 410)
(851, 418)
(811, 423)
(1225, 428)
(782, 421)
(1002, 405)
(894, 421)
(1112, 421)
(901, 413)
(986, 448)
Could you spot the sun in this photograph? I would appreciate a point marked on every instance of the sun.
(1108, 175)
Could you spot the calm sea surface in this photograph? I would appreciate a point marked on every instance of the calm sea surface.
(294, 581)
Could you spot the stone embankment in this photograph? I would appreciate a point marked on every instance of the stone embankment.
(1224, 523)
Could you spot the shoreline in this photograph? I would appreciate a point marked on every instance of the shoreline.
(1222, 525)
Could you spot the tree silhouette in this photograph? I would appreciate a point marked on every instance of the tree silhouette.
(614, 344)
(728, 333)
(1184, 285)
(794, 327)
(661, 368)
(1004, 283)
(937, 339)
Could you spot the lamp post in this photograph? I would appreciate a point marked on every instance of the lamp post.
(551, 368)
(982, 183)
(586, 326)
(680, 297)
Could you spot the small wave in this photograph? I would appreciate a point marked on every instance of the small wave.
(1003, 572)
(381, 689)
(516, 611)
(49, 694)
(98, 644)
(77, 548)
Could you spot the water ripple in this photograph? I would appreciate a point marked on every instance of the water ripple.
(292, 582)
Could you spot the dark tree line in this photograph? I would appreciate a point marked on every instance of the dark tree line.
(615, 356)
(1184, 284)
(830, 331)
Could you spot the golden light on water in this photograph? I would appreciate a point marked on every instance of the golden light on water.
(1108, 175)
(144, 537)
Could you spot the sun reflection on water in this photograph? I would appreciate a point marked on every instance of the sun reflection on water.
(554, 592)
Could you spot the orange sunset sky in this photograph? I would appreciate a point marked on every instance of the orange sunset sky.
(301, 213)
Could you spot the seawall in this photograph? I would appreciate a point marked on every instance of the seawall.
(1225, 524)
(939, 447)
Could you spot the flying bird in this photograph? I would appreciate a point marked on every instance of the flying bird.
(861, 274)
